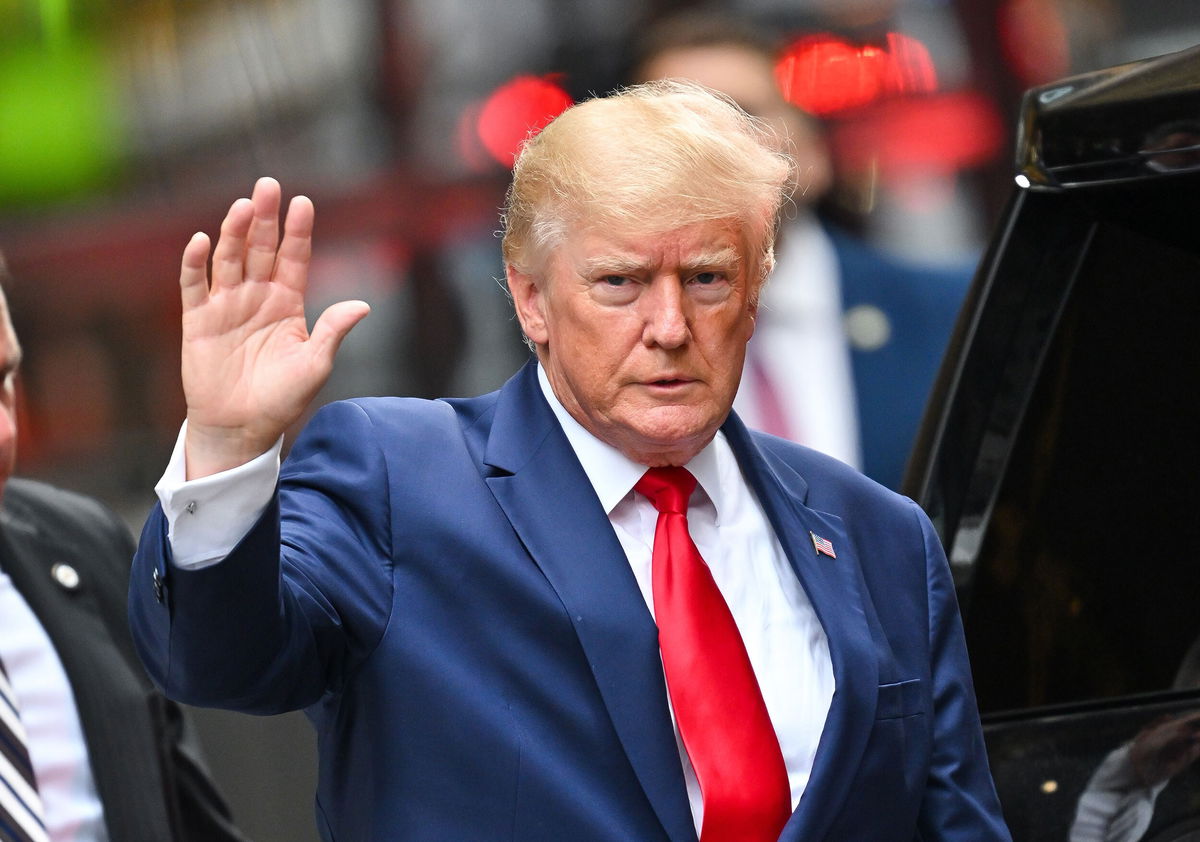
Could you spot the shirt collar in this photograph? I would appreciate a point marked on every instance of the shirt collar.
(613, 474)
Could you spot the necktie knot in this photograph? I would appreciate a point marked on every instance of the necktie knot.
(667, 488)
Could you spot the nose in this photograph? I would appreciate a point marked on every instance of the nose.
(665, 318)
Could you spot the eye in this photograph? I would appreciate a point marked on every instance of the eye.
(710, 279)
(615, 290)
(709, 286)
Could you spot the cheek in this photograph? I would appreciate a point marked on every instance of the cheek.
(725, 339)
(596, 339)
(590, 367)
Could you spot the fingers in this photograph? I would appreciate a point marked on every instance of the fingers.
(246, 249)
(333, 325)
(193, 274)
(291, 263)
(249, 248)
(229, 255)
(263, 236)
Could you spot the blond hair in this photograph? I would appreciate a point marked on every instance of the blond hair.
(648, 159)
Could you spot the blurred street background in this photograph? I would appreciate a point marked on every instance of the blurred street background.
(126, 125)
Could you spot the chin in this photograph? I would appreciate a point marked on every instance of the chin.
(676, 437)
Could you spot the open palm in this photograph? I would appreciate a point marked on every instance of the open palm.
(250, 366)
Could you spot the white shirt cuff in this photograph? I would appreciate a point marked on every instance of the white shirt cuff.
(208, 517)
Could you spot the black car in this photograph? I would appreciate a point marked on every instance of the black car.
(1060, 461)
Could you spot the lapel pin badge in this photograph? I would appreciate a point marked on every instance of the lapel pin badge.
(66, 576)
(823, 546)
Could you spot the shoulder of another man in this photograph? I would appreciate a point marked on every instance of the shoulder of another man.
(58, 514)
(877, 270)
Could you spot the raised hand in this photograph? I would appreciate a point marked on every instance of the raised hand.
(250, 365)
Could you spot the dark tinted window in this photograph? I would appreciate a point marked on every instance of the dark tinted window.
(1088, 580)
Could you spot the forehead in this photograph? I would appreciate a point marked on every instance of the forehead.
(710, 242)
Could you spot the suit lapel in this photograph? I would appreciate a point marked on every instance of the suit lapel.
(548, 499)
(835, 589)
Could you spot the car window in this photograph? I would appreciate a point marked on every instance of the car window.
(1087, 581)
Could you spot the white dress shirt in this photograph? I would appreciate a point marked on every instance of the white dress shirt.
(784, 640)
(55, 738)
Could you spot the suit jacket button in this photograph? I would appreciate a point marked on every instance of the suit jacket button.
(867, 327)
(66, 576)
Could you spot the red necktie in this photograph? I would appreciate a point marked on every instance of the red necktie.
(718, 706)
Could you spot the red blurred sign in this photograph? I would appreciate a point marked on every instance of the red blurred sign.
(825, 74)
(936, 133)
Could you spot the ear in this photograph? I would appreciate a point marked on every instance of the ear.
(753, 300)
(529, 301)
(750, 319)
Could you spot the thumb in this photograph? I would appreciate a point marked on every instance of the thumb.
(333, 325)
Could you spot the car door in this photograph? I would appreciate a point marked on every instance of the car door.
(1060, 460)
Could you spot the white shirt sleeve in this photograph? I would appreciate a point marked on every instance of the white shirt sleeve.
(207, 517)
(1115, 806)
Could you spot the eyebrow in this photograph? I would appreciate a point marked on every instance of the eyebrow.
(612, 264)
(726, 258)
(621, 264)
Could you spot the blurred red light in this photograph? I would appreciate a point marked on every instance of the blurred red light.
(940, 133)
(824, 74)
(910, 67)
(516, 110)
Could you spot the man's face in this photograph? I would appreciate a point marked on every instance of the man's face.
(643, 338)
(10, 357)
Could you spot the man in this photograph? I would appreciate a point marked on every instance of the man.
(111, 758)
(476, 600)
(871, 328)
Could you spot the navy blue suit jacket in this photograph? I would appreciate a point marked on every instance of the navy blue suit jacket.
(892, 381)
(452, 608)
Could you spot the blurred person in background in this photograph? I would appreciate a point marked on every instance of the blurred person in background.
(89, 751)
(849, 338)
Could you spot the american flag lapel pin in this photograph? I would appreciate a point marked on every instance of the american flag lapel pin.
(823, 546)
